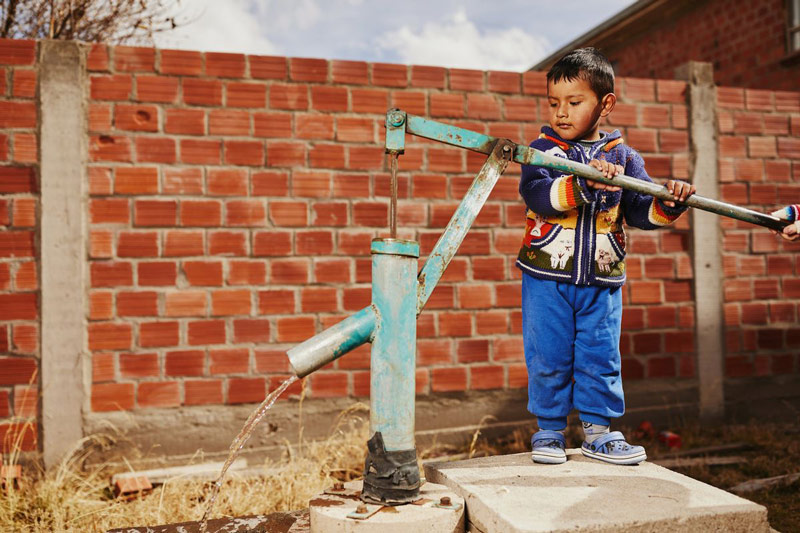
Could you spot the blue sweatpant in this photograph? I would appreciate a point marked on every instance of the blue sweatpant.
(572, 331)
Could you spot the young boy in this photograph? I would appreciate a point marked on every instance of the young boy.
(572, 259)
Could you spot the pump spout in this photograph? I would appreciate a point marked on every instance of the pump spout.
(333, 343)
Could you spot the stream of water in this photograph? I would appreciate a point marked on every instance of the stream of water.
(239, 442)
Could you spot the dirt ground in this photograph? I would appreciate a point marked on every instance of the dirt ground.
(755, 451)
(769, 450)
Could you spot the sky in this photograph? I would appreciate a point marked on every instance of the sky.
(508, 35)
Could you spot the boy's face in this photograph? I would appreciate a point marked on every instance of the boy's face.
(575, 110)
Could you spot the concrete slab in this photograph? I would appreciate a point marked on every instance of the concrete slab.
(294, 522)
(512, 494)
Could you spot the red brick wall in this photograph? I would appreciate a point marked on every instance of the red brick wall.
(658, 317)
(745, 41)
(19, 281)
(759, 150)
(233, 199)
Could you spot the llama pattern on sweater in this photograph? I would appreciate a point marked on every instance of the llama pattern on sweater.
(604, 255)
(560, 249)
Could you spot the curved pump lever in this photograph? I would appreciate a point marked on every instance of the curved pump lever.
(329, 345)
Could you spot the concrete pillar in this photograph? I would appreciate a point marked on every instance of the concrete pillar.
(63, 152)
(706, 240)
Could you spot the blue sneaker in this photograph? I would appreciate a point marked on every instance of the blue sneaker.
(612, 448)
(548, 447)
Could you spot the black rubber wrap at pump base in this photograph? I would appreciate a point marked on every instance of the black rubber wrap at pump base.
(390, 478)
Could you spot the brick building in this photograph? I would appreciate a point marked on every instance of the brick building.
(753, 44)
(172, 221)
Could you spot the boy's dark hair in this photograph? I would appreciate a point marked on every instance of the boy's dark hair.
(586, 64)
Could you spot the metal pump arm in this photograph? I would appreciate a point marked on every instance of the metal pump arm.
(525, 155)
(362, 326)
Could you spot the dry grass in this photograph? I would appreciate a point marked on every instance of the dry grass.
(73, 498)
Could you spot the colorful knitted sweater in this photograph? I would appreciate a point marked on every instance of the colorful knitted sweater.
(574, 233)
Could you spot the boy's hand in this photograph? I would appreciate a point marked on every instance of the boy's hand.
(680, 190)
(609, 170)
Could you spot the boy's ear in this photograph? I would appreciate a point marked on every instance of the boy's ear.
(608, 102)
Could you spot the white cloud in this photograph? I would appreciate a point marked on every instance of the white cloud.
(457, 42)
(297, 15)
(229, 26)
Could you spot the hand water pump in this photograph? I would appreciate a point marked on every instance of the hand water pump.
(400, 292)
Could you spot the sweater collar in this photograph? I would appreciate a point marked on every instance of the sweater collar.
(565, 145)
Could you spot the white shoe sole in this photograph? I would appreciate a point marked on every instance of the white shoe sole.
(548, 459)
(634, 459)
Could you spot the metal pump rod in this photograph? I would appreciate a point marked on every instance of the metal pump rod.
(525, 155)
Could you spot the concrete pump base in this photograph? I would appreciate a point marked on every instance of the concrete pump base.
(333, 512)
(509, 494)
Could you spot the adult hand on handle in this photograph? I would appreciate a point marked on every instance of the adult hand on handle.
(792, 214)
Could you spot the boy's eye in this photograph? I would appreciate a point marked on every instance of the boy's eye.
(574, 103)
